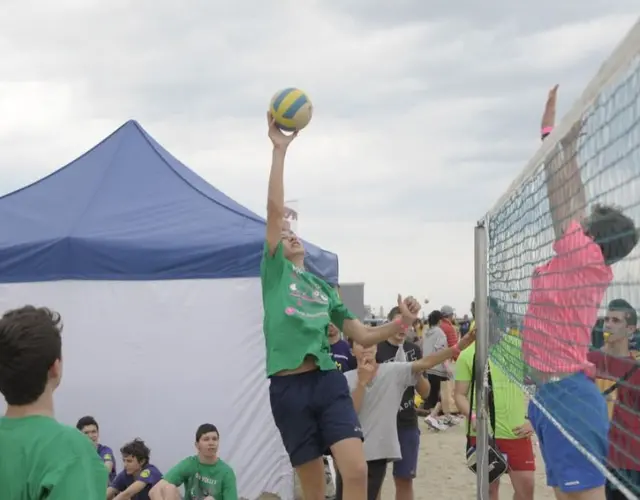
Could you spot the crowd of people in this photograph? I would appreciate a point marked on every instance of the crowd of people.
(355, 399)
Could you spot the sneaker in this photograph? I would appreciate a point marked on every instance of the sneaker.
(450, 420)
(330, 487)
(434, 423)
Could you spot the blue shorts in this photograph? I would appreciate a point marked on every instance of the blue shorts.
(576, 403)
(313, 411)
(409, 438)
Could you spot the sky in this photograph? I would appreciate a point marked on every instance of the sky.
(424, 111)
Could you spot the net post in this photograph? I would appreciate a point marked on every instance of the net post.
(482, 354)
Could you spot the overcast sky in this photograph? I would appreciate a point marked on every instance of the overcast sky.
(424, 110)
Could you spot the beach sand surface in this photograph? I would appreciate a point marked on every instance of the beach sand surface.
(442, 473)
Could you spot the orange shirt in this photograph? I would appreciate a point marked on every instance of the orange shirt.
(450, 331)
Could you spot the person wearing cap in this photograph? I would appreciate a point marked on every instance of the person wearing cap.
(446, 323)
(447, 388)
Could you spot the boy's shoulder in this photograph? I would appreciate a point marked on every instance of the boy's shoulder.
(225, 467)
(71, 440)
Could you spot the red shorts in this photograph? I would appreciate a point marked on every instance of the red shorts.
(519, 452)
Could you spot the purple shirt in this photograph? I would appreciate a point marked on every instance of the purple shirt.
(149, 475)
(106, 454)
(342, 356)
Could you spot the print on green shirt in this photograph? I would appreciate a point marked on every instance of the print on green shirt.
(204, 480)
(298, 307)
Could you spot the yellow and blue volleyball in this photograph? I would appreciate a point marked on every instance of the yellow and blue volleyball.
(291, 109)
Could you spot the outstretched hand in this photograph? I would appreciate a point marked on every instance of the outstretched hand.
(549, 115)
(409, 308)
(278, 137)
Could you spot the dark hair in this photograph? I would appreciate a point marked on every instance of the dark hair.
(86, 422)
(206, 429)
(395, 310)
(622, 305)
(138, 450)
(614, 232)
(434, 317)
(30, 344)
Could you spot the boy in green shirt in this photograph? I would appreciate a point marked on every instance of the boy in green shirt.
(204, 476)
(310, 400)
(39, 457)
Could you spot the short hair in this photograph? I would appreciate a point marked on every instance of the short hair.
(86, 422)
(395, 310)
(614, 232)
(30, 343)
(206, 429)
(434, 317)
(138, 450)
(622, 305)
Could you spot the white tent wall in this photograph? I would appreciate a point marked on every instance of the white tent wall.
(155, 359)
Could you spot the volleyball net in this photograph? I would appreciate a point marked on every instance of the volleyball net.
(544, 280)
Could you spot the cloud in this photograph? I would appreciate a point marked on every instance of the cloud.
(424, 111)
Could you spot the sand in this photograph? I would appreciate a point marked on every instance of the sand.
(442, 472)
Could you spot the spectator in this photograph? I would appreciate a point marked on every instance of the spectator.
(39, 454)
(465, 325)
(89, 427)
(204, 475)
(446, 389)
(435, 340)
(138, 476)
(615, 362)
(404, 470)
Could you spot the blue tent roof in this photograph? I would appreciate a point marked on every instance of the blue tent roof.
(128, 210)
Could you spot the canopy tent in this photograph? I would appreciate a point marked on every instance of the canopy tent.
(155, 273)
(128, 210)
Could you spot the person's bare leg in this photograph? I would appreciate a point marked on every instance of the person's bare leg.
(312, 481)
(523, 483)
(435, 410)
(348, 456)
(404, 488)
(494, 490)
(592, 494)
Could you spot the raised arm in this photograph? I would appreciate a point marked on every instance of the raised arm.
(565, 189)
(275, 195)
(371, 335)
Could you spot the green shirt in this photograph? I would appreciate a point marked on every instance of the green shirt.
(202, 480)
(509, 399)
(298, 307)
(42, 458)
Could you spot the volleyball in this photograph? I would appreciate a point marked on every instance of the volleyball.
(291, 109)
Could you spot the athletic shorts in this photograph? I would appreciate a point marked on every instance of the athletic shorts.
(578, 406)
(409, 438)
(313, 411)
(519, 453)
(376, 471)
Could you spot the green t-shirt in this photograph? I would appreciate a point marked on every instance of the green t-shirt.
(298, 307)
(509, 399)
(42, 458)
(202, 480)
